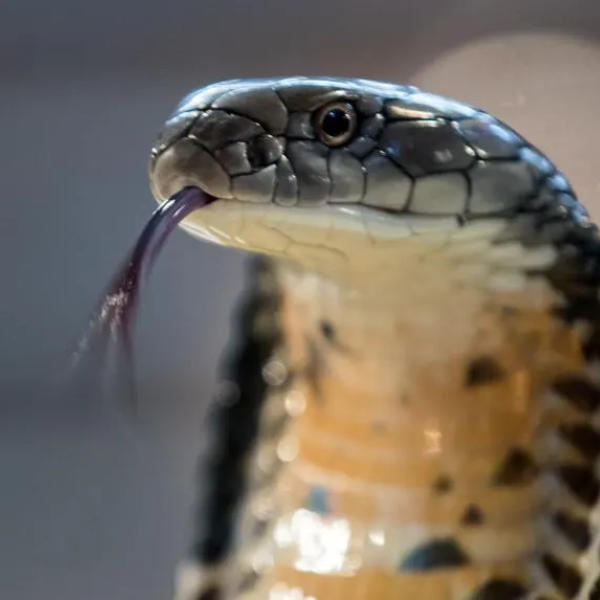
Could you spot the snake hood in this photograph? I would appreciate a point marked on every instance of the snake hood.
(418, 351)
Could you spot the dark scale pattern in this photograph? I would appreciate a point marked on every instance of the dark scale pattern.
(582, 482)
(555, 217)
(580, 392)
(329, 333)
(565, 577)
(517, 469)
(212, 593)
(262, 150)
(436, 554)
(235, 425)
(577, 531)
(442, 485)
(501, 589)
(327, 330)
(483, 370)
(584, 438)
(473, 516)
(314, 369)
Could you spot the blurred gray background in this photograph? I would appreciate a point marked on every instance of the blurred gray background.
(95, 507)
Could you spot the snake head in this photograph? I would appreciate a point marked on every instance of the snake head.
(293, 159)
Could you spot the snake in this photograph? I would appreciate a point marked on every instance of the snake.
(409, 405)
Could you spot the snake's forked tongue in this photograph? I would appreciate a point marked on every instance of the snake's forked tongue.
(113, 321)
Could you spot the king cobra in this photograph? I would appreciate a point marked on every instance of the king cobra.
(409, 408)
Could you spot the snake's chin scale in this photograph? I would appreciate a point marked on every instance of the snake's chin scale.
(332, 238)
(271, 229)
(357, 245)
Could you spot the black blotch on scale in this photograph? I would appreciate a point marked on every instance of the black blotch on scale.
(582, 482)
(500, 589)
(483, 370)
(575, 275)
(437, 554)
(577, 531)
(566, 578)
(329, 333)
(314, 369)
(580, 392)
(577, 309)
(472, 516)
(217, 517)
(211, 593)
(327, 330)
(442, 485)
(583, 438)
(518, 468)
(591, 347)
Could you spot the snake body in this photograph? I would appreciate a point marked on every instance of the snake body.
(410, 404)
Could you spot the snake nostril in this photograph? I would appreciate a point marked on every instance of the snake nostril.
(262, 151)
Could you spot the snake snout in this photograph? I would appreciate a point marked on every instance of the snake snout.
(226, 155)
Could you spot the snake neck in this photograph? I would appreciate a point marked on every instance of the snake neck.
(405, 440)
(420, 309)
(423, 429)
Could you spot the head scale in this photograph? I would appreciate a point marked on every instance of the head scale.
(309, 141)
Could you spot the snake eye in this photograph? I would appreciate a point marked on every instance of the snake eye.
(336, 123)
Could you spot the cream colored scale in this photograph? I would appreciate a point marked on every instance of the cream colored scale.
(398, 447)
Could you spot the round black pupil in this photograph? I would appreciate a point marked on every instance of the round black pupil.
(336, 122)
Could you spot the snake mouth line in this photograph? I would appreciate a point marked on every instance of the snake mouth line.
(269, 227)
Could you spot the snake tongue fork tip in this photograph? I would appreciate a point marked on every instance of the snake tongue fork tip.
(115, 316)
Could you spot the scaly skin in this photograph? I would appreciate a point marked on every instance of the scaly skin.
(411, 410)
